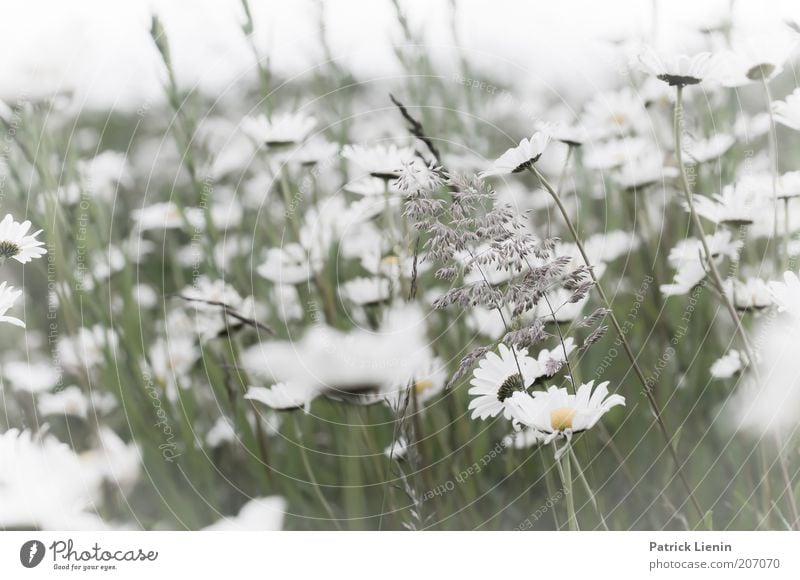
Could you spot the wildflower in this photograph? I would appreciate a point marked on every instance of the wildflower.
(688, 259)
(45, 485)
(498, 377)
(705, 150)
(735, 206)
(521, 157)
(363, 290)
(87, 349)
(751, 295)
(8, 296)
(556, 413)
(220, 433)
(105, 173)
(281, 130)
(286, 265)
(285, 396)
(116, 462)
(677, 70)
(728, 365)
(259, 514)
(756, 57)
(164, 215)
(787, 112)
(616, 153)
(572, 135)
(616, 114)
(211, 302)
(382, 161)
(31, 377)
(644, 171)
(314, 151)
(17, 243)
(786, 294)
(68, 401)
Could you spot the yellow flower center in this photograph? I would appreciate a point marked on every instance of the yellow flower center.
(619, 118)
(422, 386)
(561, 419)
(390, 261)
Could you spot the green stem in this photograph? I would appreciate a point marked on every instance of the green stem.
(587, 487)
(565, 472)
(717, 279)
(648, 391)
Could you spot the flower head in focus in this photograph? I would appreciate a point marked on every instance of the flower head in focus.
(17, 243)
(557, 413)
(498, 377)
(521, 157)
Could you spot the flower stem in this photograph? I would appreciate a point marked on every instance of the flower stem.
(773, 157)
(698, 225)
(717, 279)
(565, 472)
(587, 487)
(648, 391)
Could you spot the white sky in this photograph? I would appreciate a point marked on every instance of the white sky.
(102, 50)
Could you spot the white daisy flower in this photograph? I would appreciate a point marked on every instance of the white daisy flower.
(286, 265)
(786, 294)
(751, 295)
(705, 150)
(281, 130)
(8, 296)
(649, 169)
(616, 153)
(105, 173)
(144, 295)
(756, 57)
(17, 243)
(44, 485)
(728, 365)
(172, 358)
(498, 377)
(86, 350)
(371, 186)
(519, 158)
(158, 216)
(117, 462)
(564, 308)
(677, 70)
(750, 127)
(31, 377)
(382, 161)
(260, 514)
(362, 291)
(206, 298)
(314, 151)
(68, 401)
(616, 113)
(285, 396)
(486, 322)
(573, 135)
(685, 258)
(735, 206)
(220, 433)
(787, 112)
(557, 413)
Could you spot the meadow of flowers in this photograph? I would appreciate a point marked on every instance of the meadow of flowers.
(439, 301)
